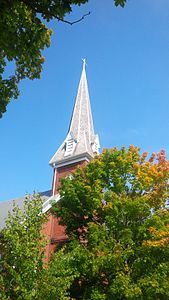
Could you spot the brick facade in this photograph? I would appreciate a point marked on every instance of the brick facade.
(54, 232)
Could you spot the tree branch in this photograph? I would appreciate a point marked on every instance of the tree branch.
(77, 21)
(42, 10)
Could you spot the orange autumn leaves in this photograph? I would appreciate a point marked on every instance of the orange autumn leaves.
(133, 173)
(145, 176)
(117, 222)
(152, 177)
(159, 237)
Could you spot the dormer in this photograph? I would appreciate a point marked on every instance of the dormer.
(70, 145)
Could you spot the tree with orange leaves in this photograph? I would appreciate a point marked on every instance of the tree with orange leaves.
(117, 222)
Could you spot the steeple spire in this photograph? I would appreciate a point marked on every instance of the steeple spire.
(81, 142)
(84, 62)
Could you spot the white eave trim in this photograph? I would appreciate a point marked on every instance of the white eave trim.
(47, 204)
(71, 161)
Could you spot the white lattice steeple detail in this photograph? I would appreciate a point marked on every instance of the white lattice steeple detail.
(70, 144)
(81, 141)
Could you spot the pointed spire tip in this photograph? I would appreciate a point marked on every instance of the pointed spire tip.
(84, 63)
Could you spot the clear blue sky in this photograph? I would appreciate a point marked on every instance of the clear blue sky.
(127, 52)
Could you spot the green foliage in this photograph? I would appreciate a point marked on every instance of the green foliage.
(118, 234)
(23, 36)
(22, 261)
(24, 274)
(58, 278)
(118, 226)
(120, 2)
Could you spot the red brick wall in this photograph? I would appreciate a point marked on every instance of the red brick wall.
(63, 172)
(54, 232)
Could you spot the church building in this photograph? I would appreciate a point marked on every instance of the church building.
(78, 148)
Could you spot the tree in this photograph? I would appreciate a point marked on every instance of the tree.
(118, 227)
(22, 261)
(23, 36)
(23, 271)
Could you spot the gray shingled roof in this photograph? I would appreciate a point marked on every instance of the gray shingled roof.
(7, 206)
(81, 139)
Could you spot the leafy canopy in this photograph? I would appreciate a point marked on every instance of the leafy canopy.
(118, 234)
(118, 227)
(23, 251)
(24, 274)
(23, 36)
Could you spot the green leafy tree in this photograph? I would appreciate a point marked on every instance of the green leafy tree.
(23, 36)
(24, 275)
(118, 227)
(22, 261)
(59, 277)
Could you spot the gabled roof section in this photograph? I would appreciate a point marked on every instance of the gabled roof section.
(7, 206)
(81, 140)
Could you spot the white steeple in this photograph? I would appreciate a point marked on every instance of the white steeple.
(81, 143)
